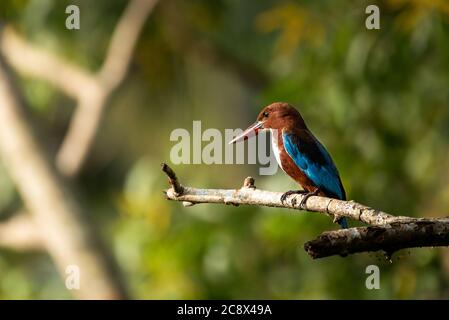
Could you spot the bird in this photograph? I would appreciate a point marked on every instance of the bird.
(298, 153)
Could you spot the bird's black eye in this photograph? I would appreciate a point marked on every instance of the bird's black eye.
(265, 114)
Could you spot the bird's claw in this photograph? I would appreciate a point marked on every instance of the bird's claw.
(289, 193)
(306, 196)
(302, 204)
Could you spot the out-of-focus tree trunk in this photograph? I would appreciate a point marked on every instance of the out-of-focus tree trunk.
(68, 237)
(59, 221)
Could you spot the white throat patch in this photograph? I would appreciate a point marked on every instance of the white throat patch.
(275, 146)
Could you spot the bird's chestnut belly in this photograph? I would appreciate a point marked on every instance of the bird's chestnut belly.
(288, 166)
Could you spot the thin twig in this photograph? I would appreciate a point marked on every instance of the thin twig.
(172, 179)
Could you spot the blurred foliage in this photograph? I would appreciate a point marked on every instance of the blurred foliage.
(377, 99)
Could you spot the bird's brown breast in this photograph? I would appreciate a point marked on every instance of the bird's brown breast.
(290, 168)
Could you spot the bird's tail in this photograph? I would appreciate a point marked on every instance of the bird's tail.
(343, 223)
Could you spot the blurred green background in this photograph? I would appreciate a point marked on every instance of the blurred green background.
(378, 100)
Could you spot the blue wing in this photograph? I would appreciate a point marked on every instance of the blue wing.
(314, 160)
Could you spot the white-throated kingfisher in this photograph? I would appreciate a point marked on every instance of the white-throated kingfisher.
(298, 153)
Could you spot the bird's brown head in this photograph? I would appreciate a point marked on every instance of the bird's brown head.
(277, 115)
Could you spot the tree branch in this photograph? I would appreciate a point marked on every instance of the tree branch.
(20, 233)
(390, 233)
(85, 123)
(35, 62)
(91, 90)
(389, 238)
(91, 103)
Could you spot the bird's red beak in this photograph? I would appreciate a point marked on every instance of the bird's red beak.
(252, 131)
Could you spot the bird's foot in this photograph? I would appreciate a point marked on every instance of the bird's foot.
(302, 204)
(289, 193)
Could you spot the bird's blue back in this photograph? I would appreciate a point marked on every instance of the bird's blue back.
(315, 162)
